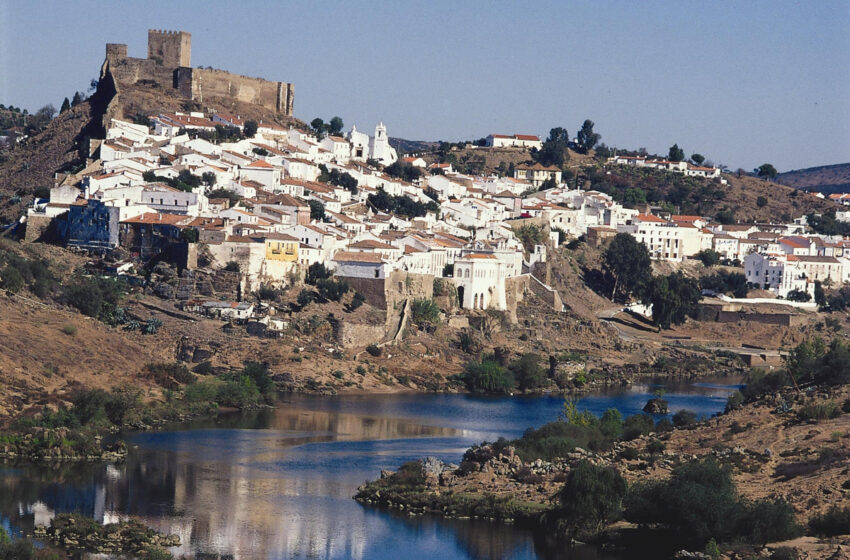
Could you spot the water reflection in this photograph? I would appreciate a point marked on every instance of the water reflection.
(278, 483)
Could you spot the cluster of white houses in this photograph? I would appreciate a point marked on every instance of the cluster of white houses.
(269, 225)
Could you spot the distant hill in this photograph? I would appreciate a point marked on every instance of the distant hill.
(412, 146)
(827, 179)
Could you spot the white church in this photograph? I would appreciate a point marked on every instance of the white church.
(377, 147)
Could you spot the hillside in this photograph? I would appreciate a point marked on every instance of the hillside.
(744, 198)
(62, 146)
(827, 179)
(412, 146)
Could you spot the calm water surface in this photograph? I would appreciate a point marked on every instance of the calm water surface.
(278, 484)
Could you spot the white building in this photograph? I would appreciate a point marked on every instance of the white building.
(515, 141)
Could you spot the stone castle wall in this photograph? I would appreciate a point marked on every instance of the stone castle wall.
(200, 84)
(168, 66)
(170, 48)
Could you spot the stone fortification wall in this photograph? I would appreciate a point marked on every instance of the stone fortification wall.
(200, 84)
(170, 48)
(168, 66)
(128, 70)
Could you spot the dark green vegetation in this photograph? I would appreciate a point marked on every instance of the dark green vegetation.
(672, 191)
(401, 205)
(338, 178)
(492, 374)
(627, 270)
(23, 549)
(328, 288)
(78, 431)
(591, 499)
(404, 171)
(723, 282)
(331, 128)
(836, 521)
(185, 180)
(699, 502)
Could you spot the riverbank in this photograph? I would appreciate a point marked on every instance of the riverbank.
(778, 447)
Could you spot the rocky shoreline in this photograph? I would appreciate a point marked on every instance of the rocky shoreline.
(76, 533)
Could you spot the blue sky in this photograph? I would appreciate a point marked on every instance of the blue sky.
(741, 82)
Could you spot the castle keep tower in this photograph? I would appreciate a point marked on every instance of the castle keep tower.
(170, 48)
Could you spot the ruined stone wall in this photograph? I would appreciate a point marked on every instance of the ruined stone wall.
(515, 288)
(36, 227)
(352, 335)
(200, 84)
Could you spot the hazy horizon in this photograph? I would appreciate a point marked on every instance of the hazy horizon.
(742, 84)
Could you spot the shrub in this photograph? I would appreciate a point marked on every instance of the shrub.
(761, 383)
(356, 301)
(267, 292)
(528, 372)
(629, 454)
(169, 375)
(735, 401)
(819, 411)
(836, 521)
(305, 298)
(373, 350)
(591, 499)
(317, 271)
(708, 257)
(204, 368)
(202, 391)
(232, 266)
(424, 311)
(684, 418)
(70, 330)
(557, 439)
(11, 279)
(784, 553)
(487, 376)
(330, 289)
(655, 447)
(700, 501)
(637, 425)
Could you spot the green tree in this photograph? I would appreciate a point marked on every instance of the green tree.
(77, 99)
(555, 149)
(627, 265)
(708, 257)
(487, 376)
(587, 139)
(676, 153)
(335, 126)
(65, 106)
(528, 372)
(318, 126)
(766, 171)
(249, 129)
(673, 299)
(698, 159)
(591, 499)
(317, 210)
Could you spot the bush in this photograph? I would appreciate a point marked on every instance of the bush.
(761, 383)
(373, 350)
(70, 330)
(591, 499)
(317, 271)
(735, 401)
(655, 447)
(684, 418)
(637, 425)
(819, 411)
(232, 266)
(557, 439)
(305, 298)
(330, 289)
(528, 372)
(487, 376)
(11, 279)
(700, 501)
(169, 375)
(834, 522)
(708, 257)
(424, 311)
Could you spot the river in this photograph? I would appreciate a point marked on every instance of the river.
(277, 484)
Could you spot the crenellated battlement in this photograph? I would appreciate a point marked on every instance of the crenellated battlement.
(168, 65)
(170, 48)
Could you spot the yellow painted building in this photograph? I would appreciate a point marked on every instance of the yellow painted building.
(280, 247)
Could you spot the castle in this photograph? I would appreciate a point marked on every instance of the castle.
(168, 65)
